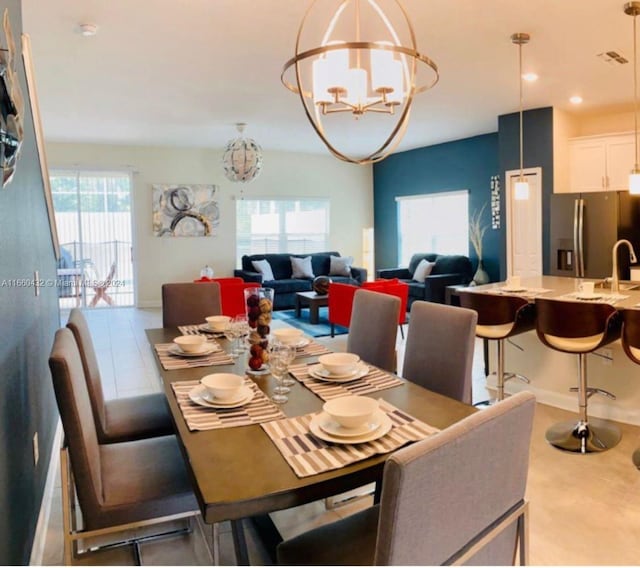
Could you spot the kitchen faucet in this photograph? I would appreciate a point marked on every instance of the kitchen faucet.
(615, 282)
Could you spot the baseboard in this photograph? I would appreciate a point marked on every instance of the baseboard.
(40, 536)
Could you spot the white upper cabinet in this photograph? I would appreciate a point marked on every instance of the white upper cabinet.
(601, 163)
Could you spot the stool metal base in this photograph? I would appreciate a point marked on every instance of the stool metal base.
(636, 458)
(584, 437)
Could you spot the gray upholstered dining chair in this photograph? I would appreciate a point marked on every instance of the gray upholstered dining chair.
(439, 349)
(119, 486)
(122, 419)
(186, 303)
(441, 502)
(374, 327)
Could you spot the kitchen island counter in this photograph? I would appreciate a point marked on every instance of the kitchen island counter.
(552, 373)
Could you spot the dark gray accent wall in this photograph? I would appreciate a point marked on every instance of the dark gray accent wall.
(27, 326)
(462, 164)
(537, 152)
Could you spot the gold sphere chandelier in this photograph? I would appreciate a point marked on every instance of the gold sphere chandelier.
(355, 69)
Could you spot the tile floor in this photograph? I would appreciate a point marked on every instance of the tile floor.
(584, 510)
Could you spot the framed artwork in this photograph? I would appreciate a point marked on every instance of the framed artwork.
(185, 210)
(495, 202)
(37, 127)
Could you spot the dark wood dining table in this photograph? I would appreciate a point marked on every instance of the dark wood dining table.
(238, 472)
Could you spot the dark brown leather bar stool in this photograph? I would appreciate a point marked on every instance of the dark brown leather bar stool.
(500, 317)
(579, 328)
(630, 338)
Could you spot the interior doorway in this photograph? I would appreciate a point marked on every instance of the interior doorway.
(524, 225)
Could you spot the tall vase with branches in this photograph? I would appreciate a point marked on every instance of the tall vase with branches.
(477, 229)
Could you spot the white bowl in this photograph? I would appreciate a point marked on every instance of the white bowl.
(223, 386)
(191, 343)
(288, 335)
(339, 363)
(351, 411)
(218, 323)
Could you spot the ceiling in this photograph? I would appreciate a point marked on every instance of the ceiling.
(183, 72)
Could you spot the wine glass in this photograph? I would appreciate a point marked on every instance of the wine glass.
(278, 364)
(242, 329)
(289, 353)
(231, 333)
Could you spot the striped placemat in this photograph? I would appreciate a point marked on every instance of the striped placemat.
(376, 380)
(196, 329)
(171, 362)
(525, 293)
(197, 417)
(308, 455)
(311, 349)
(610, 299)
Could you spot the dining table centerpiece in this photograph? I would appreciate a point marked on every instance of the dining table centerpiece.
(259, 304)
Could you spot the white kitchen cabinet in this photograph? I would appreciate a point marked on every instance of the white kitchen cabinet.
(601, 163)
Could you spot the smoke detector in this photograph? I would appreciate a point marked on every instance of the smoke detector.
(88, 30)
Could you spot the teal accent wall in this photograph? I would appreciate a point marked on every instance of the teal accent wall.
(466, 164)
(462, 164)
(537, 152)
(28, 323)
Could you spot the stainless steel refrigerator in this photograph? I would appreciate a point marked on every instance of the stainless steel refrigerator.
(583, 229)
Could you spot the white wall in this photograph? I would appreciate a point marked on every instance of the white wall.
(604, 123)
(166, 259)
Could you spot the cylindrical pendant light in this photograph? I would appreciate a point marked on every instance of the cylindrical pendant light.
(521, 187)
(633, 9)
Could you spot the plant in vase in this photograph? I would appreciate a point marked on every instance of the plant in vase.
(477, 230)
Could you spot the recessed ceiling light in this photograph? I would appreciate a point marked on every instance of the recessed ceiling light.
(575, 100)
(530, 77)
(88, 30)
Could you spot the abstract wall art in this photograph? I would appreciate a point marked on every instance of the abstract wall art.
(187, 210)
(495, 202)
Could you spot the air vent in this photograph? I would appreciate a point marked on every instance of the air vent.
(613, 58)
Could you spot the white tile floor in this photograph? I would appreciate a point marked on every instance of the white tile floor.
(585, 510)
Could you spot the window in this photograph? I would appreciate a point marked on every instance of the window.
(281, 225)
(93, 217)
(437, 222)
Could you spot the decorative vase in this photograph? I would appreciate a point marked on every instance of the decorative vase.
(259, 303)
(321, 285)
(481, 276)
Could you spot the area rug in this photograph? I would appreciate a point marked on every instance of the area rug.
(321, 329)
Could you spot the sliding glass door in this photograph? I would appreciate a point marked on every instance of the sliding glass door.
(93, 218)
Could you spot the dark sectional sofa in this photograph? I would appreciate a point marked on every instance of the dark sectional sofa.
(448, 270)
(284, 285)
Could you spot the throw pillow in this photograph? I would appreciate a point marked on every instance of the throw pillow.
(423, 270)
(301, 267)
(264, 268)
(340, 265)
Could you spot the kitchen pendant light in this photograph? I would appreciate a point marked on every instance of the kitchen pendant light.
(633, 9)
(521, 187)
(356, 70)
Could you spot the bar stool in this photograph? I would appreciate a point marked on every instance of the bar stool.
(579, 328)
(500, 317)
(630, 339)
